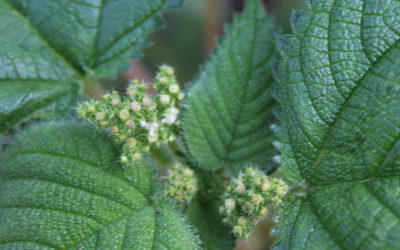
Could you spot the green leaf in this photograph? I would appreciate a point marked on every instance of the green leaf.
(26, 100)
(228, 108)
(97, 36)
(214, 234)
(61, 186)
(47, 44)
(340, 126)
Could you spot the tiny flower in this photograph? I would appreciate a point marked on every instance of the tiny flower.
(130, 124)
(131, 142)
(104, 124)
(91, 108)
(171, 116)
(100, 116)
(136, 157)
(132, 92)
(124, 114)
(163, 80)
(167, 70)
(230, 204)
(115, 101)
(174, 89)
(266, 186)
(249, 207)
(237, 230)
(136, 106)
(281, 190)
(144, 124)
(181, 186)
(114, 129)
(147, 101)
(252, 192)
(263, 212)
(242, 221)
(256, 199)
(240, 187)
(174, 111)
(124, 159)
(181, 96)
(187, 173)
(164, 99)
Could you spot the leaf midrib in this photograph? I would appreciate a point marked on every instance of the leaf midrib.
(78, 71)
(95, 62)
(345, 102)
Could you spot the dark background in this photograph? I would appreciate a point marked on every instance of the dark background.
(189, 35)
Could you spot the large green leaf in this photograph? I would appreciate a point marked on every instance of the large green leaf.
(47, 44)
(61, 186)
(340, 125)
(228, 108)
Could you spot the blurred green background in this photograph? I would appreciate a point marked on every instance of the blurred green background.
(190, 34)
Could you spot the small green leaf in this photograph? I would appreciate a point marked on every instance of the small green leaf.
(46, 45)
(61, 186)
(228, 108)
(214, 234)
(340, 126)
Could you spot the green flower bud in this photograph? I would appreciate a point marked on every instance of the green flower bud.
(181, 185)
(131, 142)
(91, 108)
(116, 101)
(147, 101)
(136, 157)
(100, 116)
(167, 70)
(174, 89)
(115, 130)
(164, 99)
(136, 106)
(130, 124)
(124, 159)
(247, 198)
(124, 114)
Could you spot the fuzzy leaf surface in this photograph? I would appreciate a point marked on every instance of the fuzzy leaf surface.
(61, 187)
(228, 108)
(214, 234)
(48, 44)
(340, 125)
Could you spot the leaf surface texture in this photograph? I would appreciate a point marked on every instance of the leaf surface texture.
(339, 85)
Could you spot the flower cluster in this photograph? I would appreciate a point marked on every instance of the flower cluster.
(182, 184)
(138, 119)
(247, 200)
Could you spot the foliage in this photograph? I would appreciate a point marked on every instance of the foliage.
(69, 184)
(340, 126)
(228, 108)
(75, 195)
(48, 45)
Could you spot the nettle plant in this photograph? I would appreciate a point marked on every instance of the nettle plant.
(314, 147)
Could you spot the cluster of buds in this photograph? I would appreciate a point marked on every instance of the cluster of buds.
(181, 184)
(139, 120)
(248, 198)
